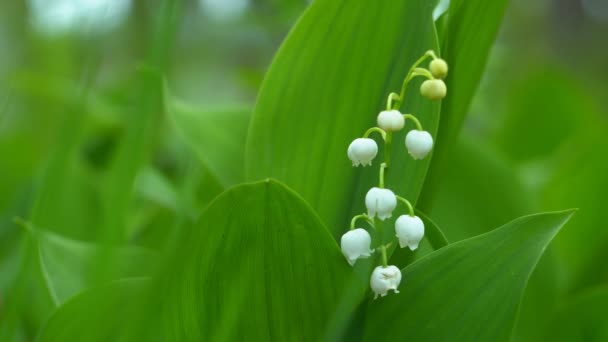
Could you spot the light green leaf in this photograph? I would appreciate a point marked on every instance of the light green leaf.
(326, 86)
(260, 264)
(68, 266)
(469, 290)
(109, 313)
(217, 136)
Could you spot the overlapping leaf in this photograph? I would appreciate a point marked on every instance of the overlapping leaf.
(260, 264)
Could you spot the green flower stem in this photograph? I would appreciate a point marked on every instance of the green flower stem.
(391, 100)
(362, 216)
(375, 129)
(381, 177)
(408, 204)
(411, 74)
(387, 148)
(384, 257)
(413, 118)
(423, 72)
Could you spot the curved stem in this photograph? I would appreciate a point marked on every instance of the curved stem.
(423, 72)
(362, 216)
(387, 148)
(413, 118)
(411, 74)
(408, 204)
(381, 177)
(390, 101)
(375, 129)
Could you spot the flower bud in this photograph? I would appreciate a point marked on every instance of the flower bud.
(384, 279)
(380, 202)
(391, 120)
(362, 151)
(418, 143)
(410, 230)
(355, 244)
(438, 68)
(433, 89)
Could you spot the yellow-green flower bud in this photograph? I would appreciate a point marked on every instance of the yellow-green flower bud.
(439, 68)
(433, 89)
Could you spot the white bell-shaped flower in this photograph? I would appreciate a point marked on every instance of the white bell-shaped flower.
(355, 244)
(362, 151)
(391, 120)
(418, 143)
(380, 202)
(410, 230)
(384, 279)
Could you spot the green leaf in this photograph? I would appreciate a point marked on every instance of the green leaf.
(68, 266)
(217, 136)
(432, 232)
(260, 264)
(471, 29)
(108, 313)
(326, 86)
(583, 318)
(469, 290)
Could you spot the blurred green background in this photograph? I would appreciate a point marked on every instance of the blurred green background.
(82, 116)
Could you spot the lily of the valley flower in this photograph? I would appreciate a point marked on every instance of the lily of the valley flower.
(384, 279)
(433, 89)
(362, 151)
(418, 143)
(355, 244)
(391, 120)
(380, 202)
(410, 230)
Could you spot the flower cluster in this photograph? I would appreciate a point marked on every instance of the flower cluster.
(380, 201)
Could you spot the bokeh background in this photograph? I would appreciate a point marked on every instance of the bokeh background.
(535, 138)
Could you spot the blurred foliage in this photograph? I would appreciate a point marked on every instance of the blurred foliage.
(108, 171)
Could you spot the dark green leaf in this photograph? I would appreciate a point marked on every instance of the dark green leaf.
(471, 29)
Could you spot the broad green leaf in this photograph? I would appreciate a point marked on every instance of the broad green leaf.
(68, 266)
(326, 86)
(217, 136)
(472, 26)
(259, 264)
(113, 312)
(582, 318)
(469, 290)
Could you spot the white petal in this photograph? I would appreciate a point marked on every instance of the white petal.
(419, 143)
(409, 230)
(391, 120)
